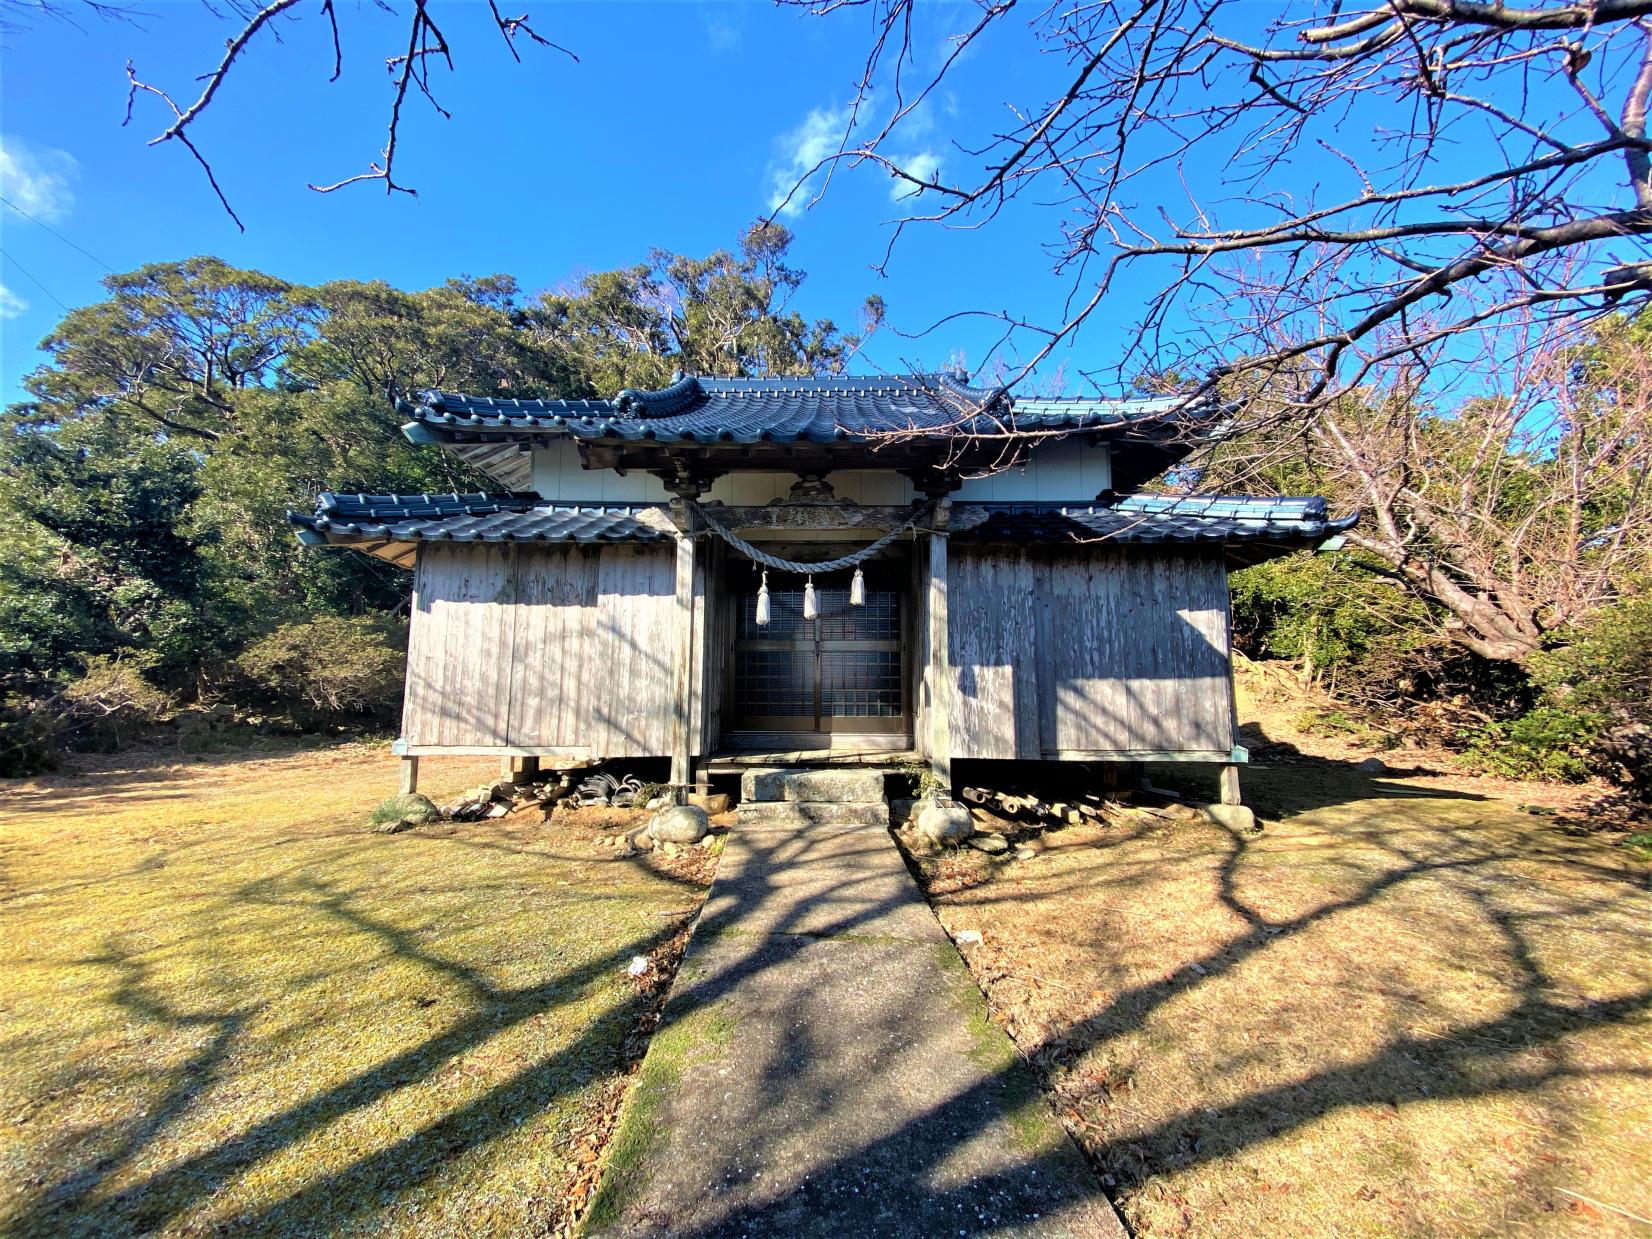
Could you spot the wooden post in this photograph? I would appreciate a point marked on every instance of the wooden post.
(1230, 784)
(940, 670)
(521, 770)
(410, 775)
(682, 670)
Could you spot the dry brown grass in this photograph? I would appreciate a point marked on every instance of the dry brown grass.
(1403, 1009)
(229, 1008)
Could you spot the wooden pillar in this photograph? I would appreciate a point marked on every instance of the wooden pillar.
(940, 668)
(682, 670)
(410, 775)
(1230, 784)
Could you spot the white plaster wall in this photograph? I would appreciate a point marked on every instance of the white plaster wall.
(557, 475)
(1062, 471)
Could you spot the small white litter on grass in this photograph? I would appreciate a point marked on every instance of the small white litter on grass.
(639, 965)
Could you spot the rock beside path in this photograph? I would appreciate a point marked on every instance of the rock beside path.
(683, 823)
(941, 823)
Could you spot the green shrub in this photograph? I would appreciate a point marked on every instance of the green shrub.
(1547, 742)
(329, 669)
(112, 700)
(26, 739)
(1601, 675)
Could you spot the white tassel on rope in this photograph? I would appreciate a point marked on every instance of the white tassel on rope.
(763, 602)
(809, 608)
(857, 590)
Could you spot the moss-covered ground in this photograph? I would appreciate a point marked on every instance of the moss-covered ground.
(229, 1007)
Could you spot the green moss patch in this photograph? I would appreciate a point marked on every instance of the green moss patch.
(684, 1040)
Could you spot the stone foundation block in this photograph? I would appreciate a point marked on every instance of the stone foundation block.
(814, 786)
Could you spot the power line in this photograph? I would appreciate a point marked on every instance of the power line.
(55, 233)
(36, 282)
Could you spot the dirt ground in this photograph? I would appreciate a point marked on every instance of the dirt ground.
(1408, 1006)
(231, 1008)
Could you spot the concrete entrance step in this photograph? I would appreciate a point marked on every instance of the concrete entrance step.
(813, 786)
(798, 814)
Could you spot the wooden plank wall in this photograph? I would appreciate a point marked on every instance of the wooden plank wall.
(542, 647)
(555, 600)
(1068, 651)
(456, 691)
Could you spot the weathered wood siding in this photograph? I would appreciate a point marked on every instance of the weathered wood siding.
(460, 609)
(542, 648)
(1087, 651)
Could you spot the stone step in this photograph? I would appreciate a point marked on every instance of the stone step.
(815, 786)
(794, 814)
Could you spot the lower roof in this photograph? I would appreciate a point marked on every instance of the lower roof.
(1249, 529)
(392, 526)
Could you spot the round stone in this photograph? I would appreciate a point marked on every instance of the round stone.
(941, 823)
(410, 807)
(683, 823)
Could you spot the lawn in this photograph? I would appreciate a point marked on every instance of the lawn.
(230, 1008)
(1407, 1007)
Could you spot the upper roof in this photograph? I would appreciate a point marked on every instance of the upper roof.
(820, 411)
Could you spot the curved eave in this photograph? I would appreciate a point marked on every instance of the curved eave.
(431, 426)
(1155, 523)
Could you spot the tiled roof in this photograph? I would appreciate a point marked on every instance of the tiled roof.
(388, 525)
(792, 410)
(1251, 528)
(1267, 525)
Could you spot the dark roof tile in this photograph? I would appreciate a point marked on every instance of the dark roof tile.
(1267, 526)
(341, 519)
(791, 410)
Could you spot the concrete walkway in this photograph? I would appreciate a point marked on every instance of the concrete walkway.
(825, 1066)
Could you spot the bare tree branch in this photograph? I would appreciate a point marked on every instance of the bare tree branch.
(408, 69)
(1233, 104)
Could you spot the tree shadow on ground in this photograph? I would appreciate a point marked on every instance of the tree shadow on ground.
(1515, 1051)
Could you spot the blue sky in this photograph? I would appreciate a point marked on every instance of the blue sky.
(674, 129)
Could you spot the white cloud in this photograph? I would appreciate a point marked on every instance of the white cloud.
(37, 179)
(724, 26)
(11, 305)
(799, 153)
(925, 165)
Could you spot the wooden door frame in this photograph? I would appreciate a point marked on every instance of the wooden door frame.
(882, 575)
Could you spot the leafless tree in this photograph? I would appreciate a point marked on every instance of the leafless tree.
(408, 67)
(1519, 510)
(1354, 184)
